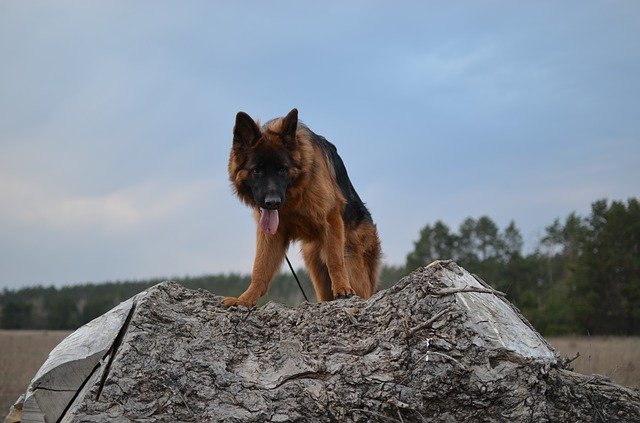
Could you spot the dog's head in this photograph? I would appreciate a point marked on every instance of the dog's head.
(261, 165)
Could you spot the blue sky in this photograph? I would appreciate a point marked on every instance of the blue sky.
(116, 119)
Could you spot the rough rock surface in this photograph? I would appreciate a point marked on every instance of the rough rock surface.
(440, 345)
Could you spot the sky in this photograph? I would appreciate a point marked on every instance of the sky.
(116, 120)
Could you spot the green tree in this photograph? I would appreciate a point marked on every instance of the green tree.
(96, 306)
(514, 273)
(606, 278)
(511, 242)
(389, 275)
(63, 314)
(435, 242)
(489, 243)
(467, 245)
(16, 315)
(561, 245)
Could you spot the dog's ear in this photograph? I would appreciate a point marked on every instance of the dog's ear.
(245, 131)
(289, 126)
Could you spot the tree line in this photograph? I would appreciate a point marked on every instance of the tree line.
(72, 306)
(582, 276)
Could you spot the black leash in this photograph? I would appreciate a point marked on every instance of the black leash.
(296, 276)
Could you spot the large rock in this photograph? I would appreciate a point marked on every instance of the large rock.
(70, 364)
(438, 346)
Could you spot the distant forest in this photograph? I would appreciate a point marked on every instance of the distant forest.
(583, 277)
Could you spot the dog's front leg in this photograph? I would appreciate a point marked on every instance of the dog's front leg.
(270, 251)
(334, 253)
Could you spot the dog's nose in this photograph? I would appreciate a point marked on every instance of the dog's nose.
(272, 201)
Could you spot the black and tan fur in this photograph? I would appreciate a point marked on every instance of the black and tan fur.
(284, 166)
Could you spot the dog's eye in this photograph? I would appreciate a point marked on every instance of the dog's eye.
(282, 169)
(256, 172)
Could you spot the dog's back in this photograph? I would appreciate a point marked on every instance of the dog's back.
(362, 245)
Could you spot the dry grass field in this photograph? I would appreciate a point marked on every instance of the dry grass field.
(612, 356)
(23, 352)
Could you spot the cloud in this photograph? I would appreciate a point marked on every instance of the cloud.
(446, 64)
(115, 121)
(123, 210)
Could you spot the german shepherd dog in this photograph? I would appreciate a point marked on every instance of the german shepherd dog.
(299, 189)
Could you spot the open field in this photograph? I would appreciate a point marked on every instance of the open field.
(612, 356)
(23, 352)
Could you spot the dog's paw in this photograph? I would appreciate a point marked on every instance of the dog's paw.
(344, 293)
(233, 301)
(230, 301)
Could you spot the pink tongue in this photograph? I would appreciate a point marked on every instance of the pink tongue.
(269, 220)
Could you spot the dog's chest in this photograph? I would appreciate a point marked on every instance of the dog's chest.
(301, 226)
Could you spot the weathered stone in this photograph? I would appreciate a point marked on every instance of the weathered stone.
(440, 345)
(69, 366)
